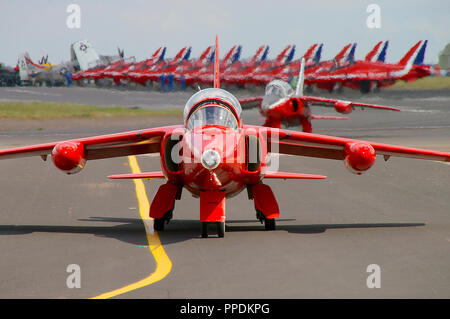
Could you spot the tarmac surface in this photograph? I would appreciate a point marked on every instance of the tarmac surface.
(396, 216)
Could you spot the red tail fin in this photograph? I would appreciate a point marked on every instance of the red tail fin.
(282, 54)
(409, 54)
(216, 66)
(372, 53)
(341, 54)
(309, 52)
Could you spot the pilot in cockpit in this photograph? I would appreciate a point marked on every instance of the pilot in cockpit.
(212, 107)
(276, 91)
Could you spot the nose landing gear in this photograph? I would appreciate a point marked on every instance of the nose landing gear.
(220, 229)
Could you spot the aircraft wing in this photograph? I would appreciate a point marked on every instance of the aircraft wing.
(103, 146)
(251, 102)
(323, 146)
(331, 102)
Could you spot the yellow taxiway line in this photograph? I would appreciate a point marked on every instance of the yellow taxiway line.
(163, 263)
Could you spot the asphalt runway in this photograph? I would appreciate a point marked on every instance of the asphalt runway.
(396, 216)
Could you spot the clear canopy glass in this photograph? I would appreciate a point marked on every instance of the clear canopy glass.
(211, 94)
(276, 90)
(212, 115)
(211, 107)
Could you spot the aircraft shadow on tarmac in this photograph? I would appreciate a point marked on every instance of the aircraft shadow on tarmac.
(132, 231)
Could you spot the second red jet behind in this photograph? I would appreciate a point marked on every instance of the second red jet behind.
(281, 105)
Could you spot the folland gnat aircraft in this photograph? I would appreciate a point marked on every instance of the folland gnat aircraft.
(281, 105)
(215, 156)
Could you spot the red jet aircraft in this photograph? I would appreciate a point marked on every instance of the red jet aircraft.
(366, 75)
(215, 156)
(281, 105)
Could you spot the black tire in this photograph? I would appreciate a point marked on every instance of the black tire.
(221, 229)
(269, 224)
(204, 230)
(158, 224)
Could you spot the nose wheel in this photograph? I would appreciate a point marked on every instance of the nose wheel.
(220, 229)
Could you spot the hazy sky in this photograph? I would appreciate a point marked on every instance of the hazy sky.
(140, 27)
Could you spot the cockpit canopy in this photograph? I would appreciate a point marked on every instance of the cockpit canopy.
(275, 91)
(212, 107)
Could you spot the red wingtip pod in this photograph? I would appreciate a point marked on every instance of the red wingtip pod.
(69, 157)
(359, 157)
(343, 107)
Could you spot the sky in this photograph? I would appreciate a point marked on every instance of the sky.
(139, 27)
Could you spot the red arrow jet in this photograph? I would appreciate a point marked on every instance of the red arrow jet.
(215, 156)
(367, 75)
(281, 105)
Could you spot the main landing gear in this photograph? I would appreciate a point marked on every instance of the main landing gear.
(269, 223)
(158, 223)
(266, 205)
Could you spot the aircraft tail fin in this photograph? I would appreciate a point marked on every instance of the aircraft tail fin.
(261, 54)
(350, 57)
(378, 53)
(158, 55)
(312, 55)
(179, 56)
(27, 68)
(308, 54)
(410, 56)
(282, 54)
(205, 54)
(83, 53)
(163, 54)
(421, 54)
(187, 55)
(232, 56)
(318, 54)
(371, 55)
(216, 65)
(237, 54)
(229, 53)
(343, 52)
(290, 55)
(23, 67)
(382, 55)
(265, 54)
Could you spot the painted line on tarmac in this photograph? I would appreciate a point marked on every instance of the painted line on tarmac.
(163, 262)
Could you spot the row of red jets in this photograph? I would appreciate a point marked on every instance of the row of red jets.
(343, 70)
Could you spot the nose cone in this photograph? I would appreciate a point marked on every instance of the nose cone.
(210, 159)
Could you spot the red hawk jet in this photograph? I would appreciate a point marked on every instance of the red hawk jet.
(281, 105)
